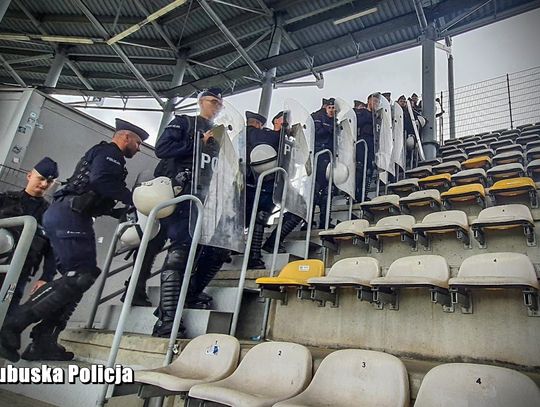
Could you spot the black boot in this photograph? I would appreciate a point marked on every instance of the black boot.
(208, 265)
(171, 283)
(140, 299)
(290, 222)
(255, 256)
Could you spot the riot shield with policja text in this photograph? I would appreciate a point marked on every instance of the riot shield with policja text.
(345, 131)
(383, 137)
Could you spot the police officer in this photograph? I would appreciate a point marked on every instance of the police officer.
(364, 123)
(93, 190)
(175, 147)
(31, 201)
(324, 139)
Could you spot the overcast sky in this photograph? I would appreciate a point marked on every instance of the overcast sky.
(505, 47)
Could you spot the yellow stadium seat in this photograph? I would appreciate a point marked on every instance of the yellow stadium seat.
(464, 194)
(438, 181)
(482, 161)
(294, 274)
(514, 187)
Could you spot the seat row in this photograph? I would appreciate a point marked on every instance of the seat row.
(279, 374)
(501, 218)
(502, 270)
(500, 134)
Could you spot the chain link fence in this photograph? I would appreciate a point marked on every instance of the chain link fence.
(504, 102)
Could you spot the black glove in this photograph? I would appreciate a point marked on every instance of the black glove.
(124, 213)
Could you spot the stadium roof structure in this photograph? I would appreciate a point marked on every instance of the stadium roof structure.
(132, 48)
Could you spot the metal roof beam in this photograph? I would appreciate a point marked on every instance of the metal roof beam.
(463, 16)
(422, 21)
(29, 59)
(249, 10)
(215, 18)
(12, 72)
(71, 18)
(119, 51)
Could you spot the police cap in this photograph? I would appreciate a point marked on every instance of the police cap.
(256, 116)
(124, 125)
(324, 102)
(385, 94)
(277, 116)
(213, 92)
(331, 102)
(47, 168)
(414, 95)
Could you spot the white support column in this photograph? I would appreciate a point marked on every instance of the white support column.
(451, 93)
(428, 93)
(56, 69)
(178, 78)
(269, 76)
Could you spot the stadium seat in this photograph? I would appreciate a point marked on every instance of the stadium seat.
(510, 131)
(206, 358)
(355, 272)
(446, 150)
(390, 226)
(501, 143)
(450, 167)
(488, 139)
(420, 172)
(472, 176)
(510, 136)
(439, 181)
(532, 144)
(527, 138)
(269, 372)
(383, 203)
(504, 217)
(464, 194)
(433, 161)
(496, 270)
(513, 147)
(452, 142)
(477, 147)
(488, 152)
(427, 271)
(456, 157)
(533, 169)
(354, 377)
(348, 230)
(295, 274)
(467, 384)
(533, 154)
(442, 222)
(428, 197)
(514, 187)
(508, 157)
(505, 171)
(403, 187)
(477, 162)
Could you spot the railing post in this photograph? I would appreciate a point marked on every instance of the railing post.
(126, 307)
(509, 101)
(364, 174)
(245, 260)
(312, 196)
(14, 268)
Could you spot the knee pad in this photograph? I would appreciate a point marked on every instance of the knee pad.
(176, 259)
(170, 276)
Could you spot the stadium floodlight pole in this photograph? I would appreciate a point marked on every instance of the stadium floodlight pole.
(232, 39)
(428, 92)
(451, 90)
(270, 75)
(103, 32)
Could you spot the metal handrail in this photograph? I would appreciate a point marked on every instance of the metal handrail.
(14, 268)
(126, 307)
(243, 272)
(312, 197)
(364, 175)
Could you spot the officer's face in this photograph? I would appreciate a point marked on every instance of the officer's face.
(37, 184)
(210, 107)
(278, 123)
(402, 102)
(330, 110)
(132, 145)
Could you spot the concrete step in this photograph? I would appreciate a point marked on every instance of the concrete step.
(223, 298)
(197, 322)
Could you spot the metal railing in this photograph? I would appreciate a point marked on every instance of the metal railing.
(364, 175)
(126, 307)
(14, 268)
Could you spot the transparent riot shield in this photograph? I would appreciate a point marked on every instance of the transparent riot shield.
(345, 131)
(219, 179)
(295, 155)
(383, 137)
(398, 155)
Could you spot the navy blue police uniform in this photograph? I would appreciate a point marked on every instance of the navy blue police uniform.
(176, 149)
(93, 190)
(19, 203)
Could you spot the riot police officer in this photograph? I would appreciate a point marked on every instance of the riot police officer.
(93, 190)
(176, 148)
(364, 123)
(31, 201)
(324, 139)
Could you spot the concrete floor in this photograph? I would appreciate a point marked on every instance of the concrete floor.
(10, 399)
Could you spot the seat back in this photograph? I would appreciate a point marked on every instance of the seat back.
(428, 265)
(467, 384)
(425, 194)
(302, 270)
(504, 264)
(449, 217)
(403, 221)
(355, 226)
(353, 377)
(282, 369)
(505, 213)
(210, 356)
(360, 267)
